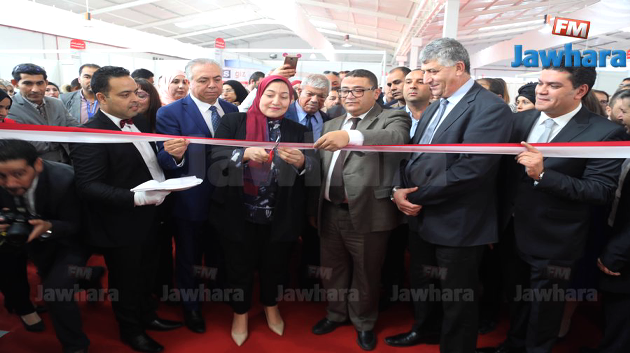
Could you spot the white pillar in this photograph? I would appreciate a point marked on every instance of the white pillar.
(451, 18)
(416, 43)
(401, 59)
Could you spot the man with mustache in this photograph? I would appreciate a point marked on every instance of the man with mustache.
(82, 104)
(396, 84)
(31, 106)
(122, 224)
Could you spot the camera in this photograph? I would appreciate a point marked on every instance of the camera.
(19, 228)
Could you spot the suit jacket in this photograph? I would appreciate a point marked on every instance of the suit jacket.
(458, 191)
(56, 201)
(551, 219)
(368, 176)
(616, 253)
(182, 118)
(290, 208)
(72, 101)
(336, 111)
(291, 114)
(104, 176)
(23, 112)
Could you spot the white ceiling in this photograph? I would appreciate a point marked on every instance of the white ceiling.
(371, 24)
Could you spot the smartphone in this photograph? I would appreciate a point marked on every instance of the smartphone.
(291, 60)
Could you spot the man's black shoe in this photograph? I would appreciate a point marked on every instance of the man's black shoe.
(325, 326)
(163, 325)
(503, 348)
(194, 321)
(407, 339)
(366, 340)
(142, 343)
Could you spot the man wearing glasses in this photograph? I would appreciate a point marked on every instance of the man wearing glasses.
(355, 211)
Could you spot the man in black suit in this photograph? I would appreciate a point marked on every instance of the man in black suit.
(123, 223)
(451, 198)
(552, 201)
(45, 191)
(614, 263)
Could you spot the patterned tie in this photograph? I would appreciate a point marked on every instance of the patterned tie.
(126, 122)
(216, 118)
(544, 138)
(309, 121)
(337, 191)
(42, 112)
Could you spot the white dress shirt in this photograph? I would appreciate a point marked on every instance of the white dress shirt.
(145, 149)
(247, 102)
(452, 102)
(204, 109)
(560, 123)
(29, 196)
(356, 139)
(414, 122)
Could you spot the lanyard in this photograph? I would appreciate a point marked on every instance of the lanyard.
(91, 110)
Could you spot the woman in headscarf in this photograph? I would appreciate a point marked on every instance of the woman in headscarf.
(5, 105)
(234, 92)
(173, 86)
(526, 98)
(263, 205)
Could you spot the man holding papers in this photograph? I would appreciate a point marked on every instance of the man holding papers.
(122, 223)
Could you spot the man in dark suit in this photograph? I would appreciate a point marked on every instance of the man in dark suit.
(121, 223)
(614, 262)
(551, 202)
(198, 114)
(451, 198)
(355, 213)
(306, 109)
(44, 190)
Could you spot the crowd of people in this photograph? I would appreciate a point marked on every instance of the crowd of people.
(481, 230)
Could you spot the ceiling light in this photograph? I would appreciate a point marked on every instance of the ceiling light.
(346, 43)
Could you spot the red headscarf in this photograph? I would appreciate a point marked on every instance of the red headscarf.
(257, 130)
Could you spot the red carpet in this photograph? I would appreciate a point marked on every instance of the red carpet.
(101, 328)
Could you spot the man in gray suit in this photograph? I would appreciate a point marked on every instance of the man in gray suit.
(82, 104)
(355, 210)
(30, 106)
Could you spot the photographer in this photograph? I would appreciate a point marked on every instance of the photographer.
(40, 217)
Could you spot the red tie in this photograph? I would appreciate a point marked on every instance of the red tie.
(125, 122)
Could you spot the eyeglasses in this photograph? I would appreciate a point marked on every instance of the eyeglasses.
(331, 72)
(228, 90)
(142, 95)
(356, 92)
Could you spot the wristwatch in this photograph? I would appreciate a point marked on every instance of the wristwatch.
(394, 189)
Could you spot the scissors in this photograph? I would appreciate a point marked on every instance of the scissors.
(273, 149)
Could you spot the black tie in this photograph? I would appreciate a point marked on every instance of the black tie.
(337, 191)
(309, 121)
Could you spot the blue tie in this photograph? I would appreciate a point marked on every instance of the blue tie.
(216, 118)
(309, 121)
(430, 131)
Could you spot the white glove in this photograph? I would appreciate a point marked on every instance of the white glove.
(143, 198)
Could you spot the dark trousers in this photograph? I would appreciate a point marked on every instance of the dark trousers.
(427, 316)
(393, 273)
(457, 270)
(14, 281)
(164, 276)
(132, 271)
(354, 261)
(309, 275)
(256, 252)
(617, 326)
(538, 305)
(189, 246)
(57, 266)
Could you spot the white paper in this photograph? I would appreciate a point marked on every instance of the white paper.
(174, 184)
